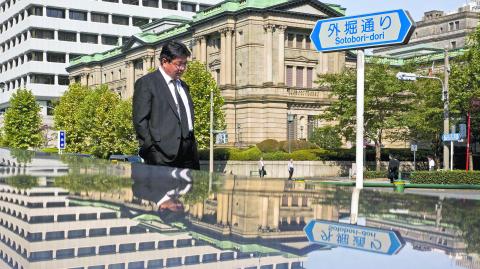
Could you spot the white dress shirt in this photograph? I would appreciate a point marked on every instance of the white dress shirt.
(182, 93)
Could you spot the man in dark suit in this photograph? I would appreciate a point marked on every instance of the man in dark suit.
(163, 112)
(393, 167)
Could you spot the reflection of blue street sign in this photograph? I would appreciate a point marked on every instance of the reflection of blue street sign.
(352, 236)
(61, 140)
(451, 137)
(463, 130)
(363, 31)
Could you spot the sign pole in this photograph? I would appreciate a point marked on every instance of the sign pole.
(360, 109)
(451, 155)
(414, 161)
(467, 159)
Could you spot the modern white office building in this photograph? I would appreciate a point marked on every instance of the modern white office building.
(39, 38)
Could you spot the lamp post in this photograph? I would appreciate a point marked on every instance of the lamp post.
(414, 77)
(211, 132)
(289, 129)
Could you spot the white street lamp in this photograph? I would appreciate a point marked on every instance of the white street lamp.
(413, 77)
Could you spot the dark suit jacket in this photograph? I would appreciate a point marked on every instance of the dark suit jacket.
(155, 115)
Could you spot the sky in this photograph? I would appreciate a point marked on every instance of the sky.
(415, 7)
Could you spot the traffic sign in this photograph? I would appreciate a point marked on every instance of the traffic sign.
(62, 140)
(352, 236)
(363, 31)
(413, 147)
(451, 137)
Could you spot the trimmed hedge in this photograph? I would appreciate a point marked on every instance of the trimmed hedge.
(446, 177)
(269, 145)
(305, 154)
(374, 174)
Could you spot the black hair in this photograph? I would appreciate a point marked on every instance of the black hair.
(174, 49)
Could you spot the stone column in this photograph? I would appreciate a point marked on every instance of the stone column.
(228, 54)
(264, 212)
(203, 49)
(225, 209)
(223, 56)
(130, 75)
(146, 64)
(219, 208)
(281, 54)
(276, 212)
(268, 52)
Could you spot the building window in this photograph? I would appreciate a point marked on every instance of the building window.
(139, 21)
(169, 5)
(188, 7)
(130, 2)
(109, 40)
(89, 38)
(309, 77)
(111, 1)
(67, 36)
(65, 253)
(150, 3)
(450, 26)
(42, 34)
(290, 38)
(299, 43)
(53, 57)
(35, 11)
(308, 42)
(74, 56)
(203, 7)
(299, 80)
(77, 15)
(457, 25)
(122, 20)
(42, 79)
(289, 76)
(63, 80)
(453, 44)
(35, 56)
(99, 17)
(55, 13)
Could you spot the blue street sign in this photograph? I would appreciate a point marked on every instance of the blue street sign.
(352, 236)
(61, 140)
(451, 137)
(363, 31)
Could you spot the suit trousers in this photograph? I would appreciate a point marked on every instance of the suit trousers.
(187, 156)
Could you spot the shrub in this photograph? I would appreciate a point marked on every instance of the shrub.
(276, 156)
(251, 154)
(375, 174)
(297, 145)
(50, 150)
(445, 177)
(269, 145)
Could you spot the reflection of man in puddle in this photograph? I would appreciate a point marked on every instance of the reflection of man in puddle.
(162, 186)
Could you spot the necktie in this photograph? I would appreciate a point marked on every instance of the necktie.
(181, 111)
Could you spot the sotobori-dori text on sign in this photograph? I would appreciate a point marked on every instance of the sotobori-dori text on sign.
(363, 31)
(352, 236)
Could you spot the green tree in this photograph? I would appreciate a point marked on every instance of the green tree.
(464, 84)
(424, 120)
(386, 102)
(326, 137)
(66, 116)
(96, 121)
(22, 125)
(200, 83)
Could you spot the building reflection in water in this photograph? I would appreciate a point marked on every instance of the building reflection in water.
(83, 213)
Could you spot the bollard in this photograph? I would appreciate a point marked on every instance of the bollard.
(399, 186)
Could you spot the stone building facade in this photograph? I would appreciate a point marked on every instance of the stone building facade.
(438, 30)
(260, 54)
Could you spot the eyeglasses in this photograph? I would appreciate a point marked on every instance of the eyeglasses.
(181, 65)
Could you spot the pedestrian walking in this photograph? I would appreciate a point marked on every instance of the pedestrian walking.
(431, 163)
(290, 169)
(393, 167)
(261, 168)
